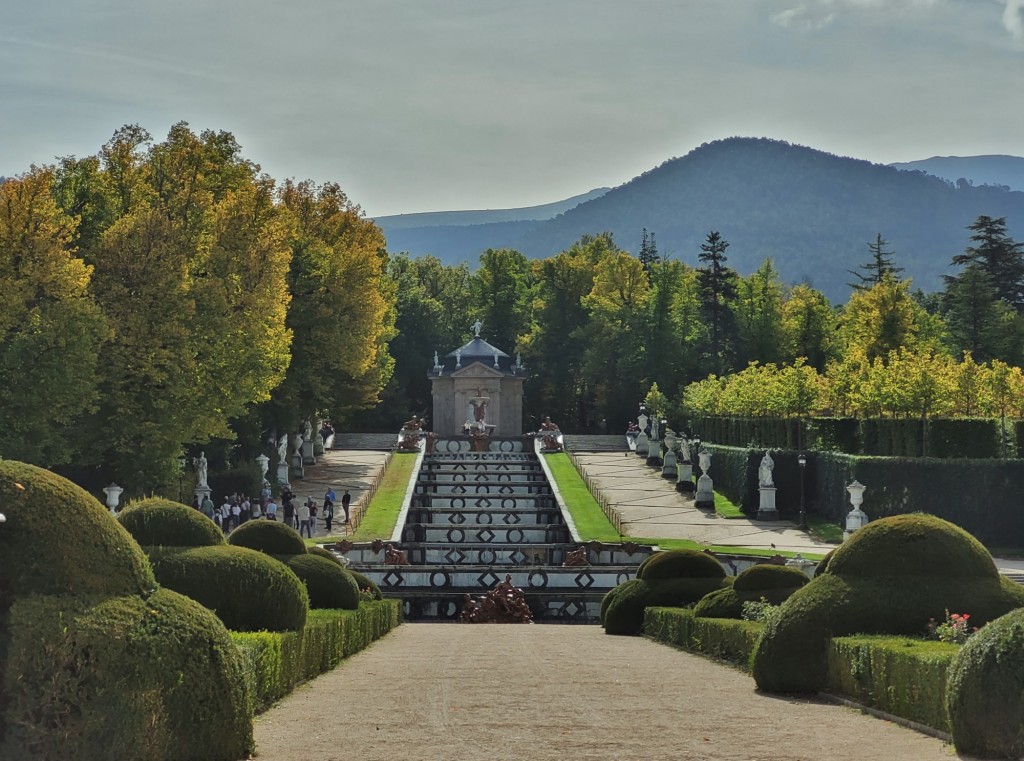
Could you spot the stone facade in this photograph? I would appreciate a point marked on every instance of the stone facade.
(477, 370)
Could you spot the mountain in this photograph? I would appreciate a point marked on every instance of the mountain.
(484, 217)
(978, 170)
(812, 212)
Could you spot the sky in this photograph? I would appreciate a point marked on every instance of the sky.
(424, 105)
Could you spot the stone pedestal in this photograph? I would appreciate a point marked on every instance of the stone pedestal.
(202, 492)
(307, 452)
(654, 454)
(684, 481)
(855, 519)
(643, 444)
(297, 471)
(282, 473)
(705, 498)
(670, 465)
(766, 511)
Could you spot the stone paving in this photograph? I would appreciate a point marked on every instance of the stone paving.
(352, 469)
(651, 507)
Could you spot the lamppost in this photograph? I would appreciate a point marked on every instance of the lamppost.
(181, 476)
(802, 462)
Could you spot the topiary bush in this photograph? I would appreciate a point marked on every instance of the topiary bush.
(985, 691)
(269, 537)
(674, 564)
(158, 522)
(248, 590)
(320, 551)
(364, 583)
(123, 677)
(59, 540)
(329, 585)
(622, 609)
(773, 583)
(852, 596)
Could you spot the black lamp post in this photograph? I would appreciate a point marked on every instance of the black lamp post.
(695, 450)
(802, 462)
(181, 475)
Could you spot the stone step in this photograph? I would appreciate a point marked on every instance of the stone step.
(360, 556)
(494, 535)
(596, 443)
(474, 457)
(546, 607)
(477, 517)
(465, 445)
(381, 441)
(396, 581)
(479, 468)
(539, 488)
(484, 502)
(448, 477)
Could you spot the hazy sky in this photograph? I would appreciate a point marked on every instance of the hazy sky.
(417, 105)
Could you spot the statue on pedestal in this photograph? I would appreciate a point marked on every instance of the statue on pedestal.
(764, 471)
(201, 469)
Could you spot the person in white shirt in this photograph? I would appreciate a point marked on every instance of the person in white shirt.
(271, 510)
(225, 516)
(255, 509)
(303, 516)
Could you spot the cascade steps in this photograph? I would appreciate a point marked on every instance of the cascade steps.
(475, 518)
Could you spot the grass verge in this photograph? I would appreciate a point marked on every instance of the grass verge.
(382, 514)
(824, 529)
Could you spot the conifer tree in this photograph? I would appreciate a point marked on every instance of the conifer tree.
(880, 265)
(648, 250)
(718, 286)
(999, 256)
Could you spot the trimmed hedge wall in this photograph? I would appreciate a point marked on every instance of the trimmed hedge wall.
(882, 437)
(734, 471)
(274, 663)
(901, 676)
(727, 639)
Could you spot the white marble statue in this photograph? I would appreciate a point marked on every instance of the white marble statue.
(458, 357)
(307, 432)
(764, 471)
(476, 326)
(282, 448)
(684, 448)
(201, 469)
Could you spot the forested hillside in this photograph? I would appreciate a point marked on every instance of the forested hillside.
(812, 212)
(977, 170)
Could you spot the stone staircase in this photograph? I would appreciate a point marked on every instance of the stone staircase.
(596, 443)
(475, 517)
(376, 441)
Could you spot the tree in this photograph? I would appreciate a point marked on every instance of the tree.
(341, 310)
(999, 257)
(501, 296)
(977, 320)
(808, 326)
(875, 270)
(718, 286)
(648, 250)
(758, 314)
(885, 318)
(50, 327)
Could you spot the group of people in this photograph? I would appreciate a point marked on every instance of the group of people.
(300, 515)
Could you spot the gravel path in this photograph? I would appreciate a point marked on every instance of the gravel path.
(469, 693)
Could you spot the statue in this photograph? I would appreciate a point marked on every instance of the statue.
(479, 404)
(764, 472)
(576, 557)
(436, 362)
(394, 556)
(307, 431)
(413, 425)
(282, 448)
(476, 328)
(458, 357)
(550, 436)
(684, 448)
(201, 470)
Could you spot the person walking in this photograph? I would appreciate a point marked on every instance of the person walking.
(271, 510)
(312, 514)
(289, 511)
(346, 499)
(328, 515)
(303, 515)
(206, 507)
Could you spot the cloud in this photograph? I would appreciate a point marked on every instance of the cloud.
(1013, 18)
(817, 14)
(803, 18)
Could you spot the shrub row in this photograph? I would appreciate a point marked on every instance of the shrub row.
(944, 438)
(901, 676)
(734, 471)
(727, 639)
(274, 663)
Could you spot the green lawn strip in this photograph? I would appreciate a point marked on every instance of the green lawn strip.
(590, 520)
(592, 523)
(725, 508)
(382, 514)
(824, 529)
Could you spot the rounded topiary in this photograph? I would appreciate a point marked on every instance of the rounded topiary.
(623, 607)
(270, 537)
(157, 522)
(365, 583)
(764, 576)
(328, 584)
(58, 539)
(124, 677)
(674, 564)
(320, 551)
(985, 691)
(248, 590)
(908, 545)
(852, 596)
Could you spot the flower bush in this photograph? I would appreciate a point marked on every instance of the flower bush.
(955, 629)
